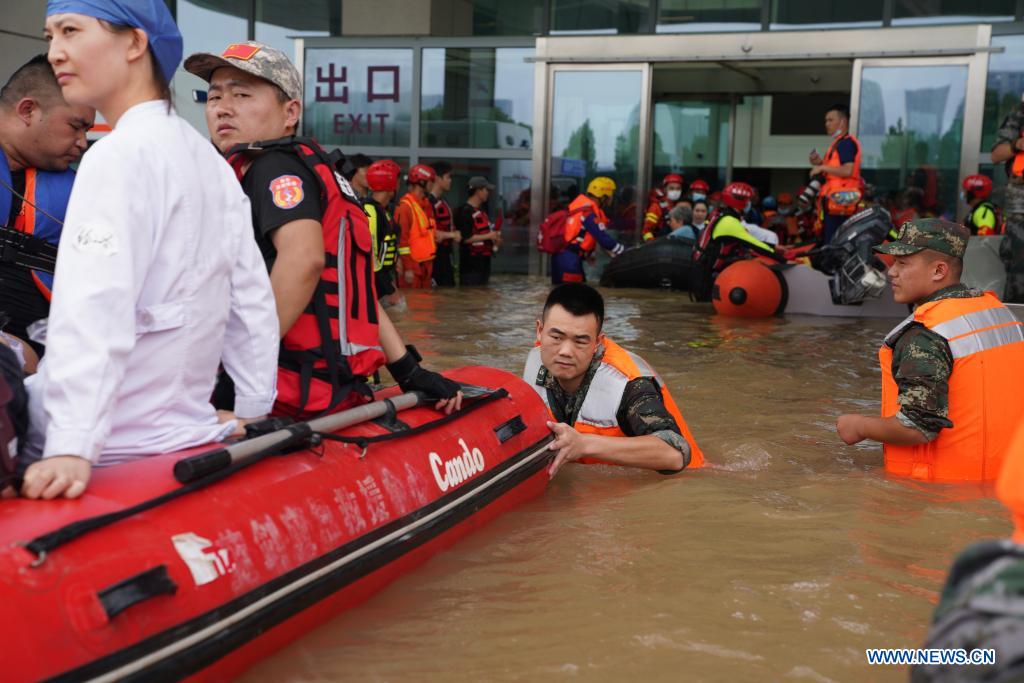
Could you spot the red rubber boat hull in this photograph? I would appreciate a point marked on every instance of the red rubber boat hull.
(209, 583)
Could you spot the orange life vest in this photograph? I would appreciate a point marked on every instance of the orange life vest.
(421, 246)
(841, 196)
(575, 233)
(335, 344)
(1010, 487)
(601, 404)
(987, 343)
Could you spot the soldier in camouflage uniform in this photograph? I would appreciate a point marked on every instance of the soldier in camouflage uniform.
(921, 359)
(1008, 144)
(607, 403)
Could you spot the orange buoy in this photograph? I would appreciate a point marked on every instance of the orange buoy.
(749, 289)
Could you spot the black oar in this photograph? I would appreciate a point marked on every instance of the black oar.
(241, 453)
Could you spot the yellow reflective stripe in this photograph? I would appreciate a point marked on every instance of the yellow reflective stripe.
(652, 216)
(728, 226)
(986, 340)
(404, 251)
(648, 236)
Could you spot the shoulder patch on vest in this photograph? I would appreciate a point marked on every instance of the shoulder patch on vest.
(286, 191)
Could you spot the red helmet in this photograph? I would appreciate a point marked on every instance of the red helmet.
(382, 176)
(672, 178)
(737, 195)
(699, 185)
(421, 173)
(978, 186)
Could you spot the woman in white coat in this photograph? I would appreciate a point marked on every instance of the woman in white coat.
(158, 280)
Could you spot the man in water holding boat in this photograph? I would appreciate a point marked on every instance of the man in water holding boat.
(608, 405)
(315, 238)
(951, 372)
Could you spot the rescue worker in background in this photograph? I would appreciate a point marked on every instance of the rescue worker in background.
(479, 238)
(662, 200)
(382, 179)
(585, 229)
(354, 171)
(725, 241)
(951, 372)
(415, 217)
(41, 135)
(445, 235)
(315, 238)
(1009, 148)
(699, 190)
(608, 405)
(841, 169)
(159, 281)
(982, 215)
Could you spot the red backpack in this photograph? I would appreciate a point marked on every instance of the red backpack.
(551, 234)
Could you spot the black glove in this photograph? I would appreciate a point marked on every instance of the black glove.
(413, 377)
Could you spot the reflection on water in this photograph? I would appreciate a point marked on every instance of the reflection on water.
(784, 559)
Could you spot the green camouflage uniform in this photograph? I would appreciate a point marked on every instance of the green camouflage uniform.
(921, 359)
(1011, 250)
(641, 412)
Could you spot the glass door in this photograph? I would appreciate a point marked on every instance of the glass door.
(598, 118)
(692, 137)
(910, 116)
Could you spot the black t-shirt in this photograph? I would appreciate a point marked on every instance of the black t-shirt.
(846, 148)
(281, 189)
(20, 299)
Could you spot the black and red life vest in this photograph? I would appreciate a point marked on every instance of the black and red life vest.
(443, 217)
(481, 226)
(335, 343)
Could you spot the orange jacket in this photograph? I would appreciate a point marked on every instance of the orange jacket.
(1010, 488)
(987, 343)
(575, 233)
(415, 218)
(656, 216)
(601, 405)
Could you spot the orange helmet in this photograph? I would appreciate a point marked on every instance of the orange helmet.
(420, 174)
(737, 196)
(382, 176)
(978, 186)
(672, 178)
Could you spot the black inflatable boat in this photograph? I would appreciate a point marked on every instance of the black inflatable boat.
(663, 263)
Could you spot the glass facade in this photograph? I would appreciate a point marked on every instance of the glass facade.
(477, 97)
(813, 14)
(691, 136)
(498, 18)
(597, 136)
(911, 130)
(677, 16)
(600, 16)
(951, 11)
(1004, 87)
(277, 22)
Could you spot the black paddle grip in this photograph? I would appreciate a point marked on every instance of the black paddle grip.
(199, 466)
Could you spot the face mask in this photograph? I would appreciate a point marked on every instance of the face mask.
(674, 195)
(698, 196)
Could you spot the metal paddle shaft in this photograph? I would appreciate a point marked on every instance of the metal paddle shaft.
(244, 452)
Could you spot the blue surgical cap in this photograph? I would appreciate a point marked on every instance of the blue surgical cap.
(152, 16)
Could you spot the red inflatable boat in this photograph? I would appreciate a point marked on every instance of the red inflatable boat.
(144, 578)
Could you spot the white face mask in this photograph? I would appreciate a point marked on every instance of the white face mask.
(698, 196)
(674, 195)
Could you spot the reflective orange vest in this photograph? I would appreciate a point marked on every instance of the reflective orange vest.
(836, 186)
(601, 405)
(575, 233)
(987, 344)
(334, 345)
(1010, 488)
(656, 217)
(421, 246)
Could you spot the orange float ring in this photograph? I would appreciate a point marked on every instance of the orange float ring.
(749, 289)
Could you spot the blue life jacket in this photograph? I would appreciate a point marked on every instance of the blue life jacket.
(46, 190)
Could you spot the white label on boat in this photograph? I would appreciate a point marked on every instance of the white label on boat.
(206, 562)
(450, 473)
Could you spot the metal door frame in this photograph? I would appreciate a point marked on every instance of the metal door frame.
(974, 103)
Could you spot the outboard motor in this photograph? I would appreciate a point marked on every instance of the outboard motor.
(855, 272)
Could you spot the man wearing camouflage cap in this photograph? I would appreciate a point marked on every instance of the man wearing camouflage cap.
(951, 372)
(314, 236)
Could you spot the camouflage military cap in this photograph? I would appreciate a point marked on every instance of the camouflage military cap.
(928, 233)
(257, 59)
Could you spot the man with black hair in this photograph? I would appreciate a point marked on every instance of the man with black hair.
(479, 238)
(839, 170)
(608, 404)
(41, 135)
(355, 174)
(445, 235)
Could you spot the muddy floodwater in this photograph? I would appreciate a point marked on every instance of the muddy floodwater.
(783, 559)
